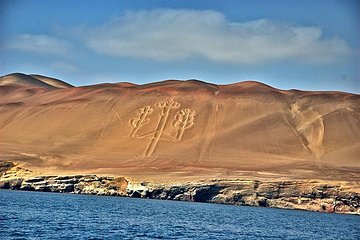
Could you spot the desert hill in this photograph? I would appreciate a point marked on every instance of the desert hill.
(32, 80)
(179, 129)
(20, 79)
(52, 81)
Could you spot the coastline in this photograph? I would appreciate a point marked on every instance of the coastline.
(310, 195)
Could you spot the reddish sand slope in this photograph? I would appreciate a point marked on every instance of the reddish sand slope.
(182, 128)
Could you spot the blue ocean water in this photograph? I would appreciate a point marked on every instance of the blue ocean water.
(37, 215)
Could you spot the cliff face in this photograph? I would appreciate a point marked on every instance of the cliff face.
(302, 195)
(323, 196)
(182, 128)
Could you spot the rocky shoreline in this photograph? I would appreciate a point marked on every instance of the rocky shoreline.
(302, 195)
(338, 197)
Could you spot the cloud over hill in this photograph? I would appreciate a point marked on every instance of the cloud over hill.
(178, 34)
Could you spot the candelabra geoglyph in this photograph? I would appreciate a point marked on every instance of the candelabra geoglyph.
(183, 120)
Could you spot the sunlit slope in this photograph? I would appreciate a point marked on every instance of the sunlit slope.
(244, 126)
(52, 81)
(19, 79)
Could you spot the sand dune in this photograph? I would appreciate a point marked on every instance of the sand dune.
(206, 129)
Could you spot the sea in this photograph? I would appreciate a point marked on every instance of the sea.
(40, 215)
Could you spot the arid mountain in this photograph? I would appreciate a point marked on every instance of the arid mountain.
(179, 129)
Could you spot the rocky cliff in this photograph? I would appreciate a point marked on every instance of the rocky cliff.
(340, 197)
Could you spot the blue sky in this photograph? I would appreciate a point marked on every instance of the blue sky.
(309, 45)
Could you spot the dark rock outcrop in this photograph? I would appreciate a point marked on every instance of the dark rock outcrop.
(4, 166)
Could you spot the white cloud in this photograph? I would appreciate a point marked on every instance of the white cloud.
(39, 44)
(168, 35)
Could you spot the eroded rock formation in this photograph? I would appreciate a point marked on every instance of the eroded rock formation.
(339, 197)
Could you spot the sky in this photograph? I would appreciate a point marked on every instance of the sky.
(294, 44)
